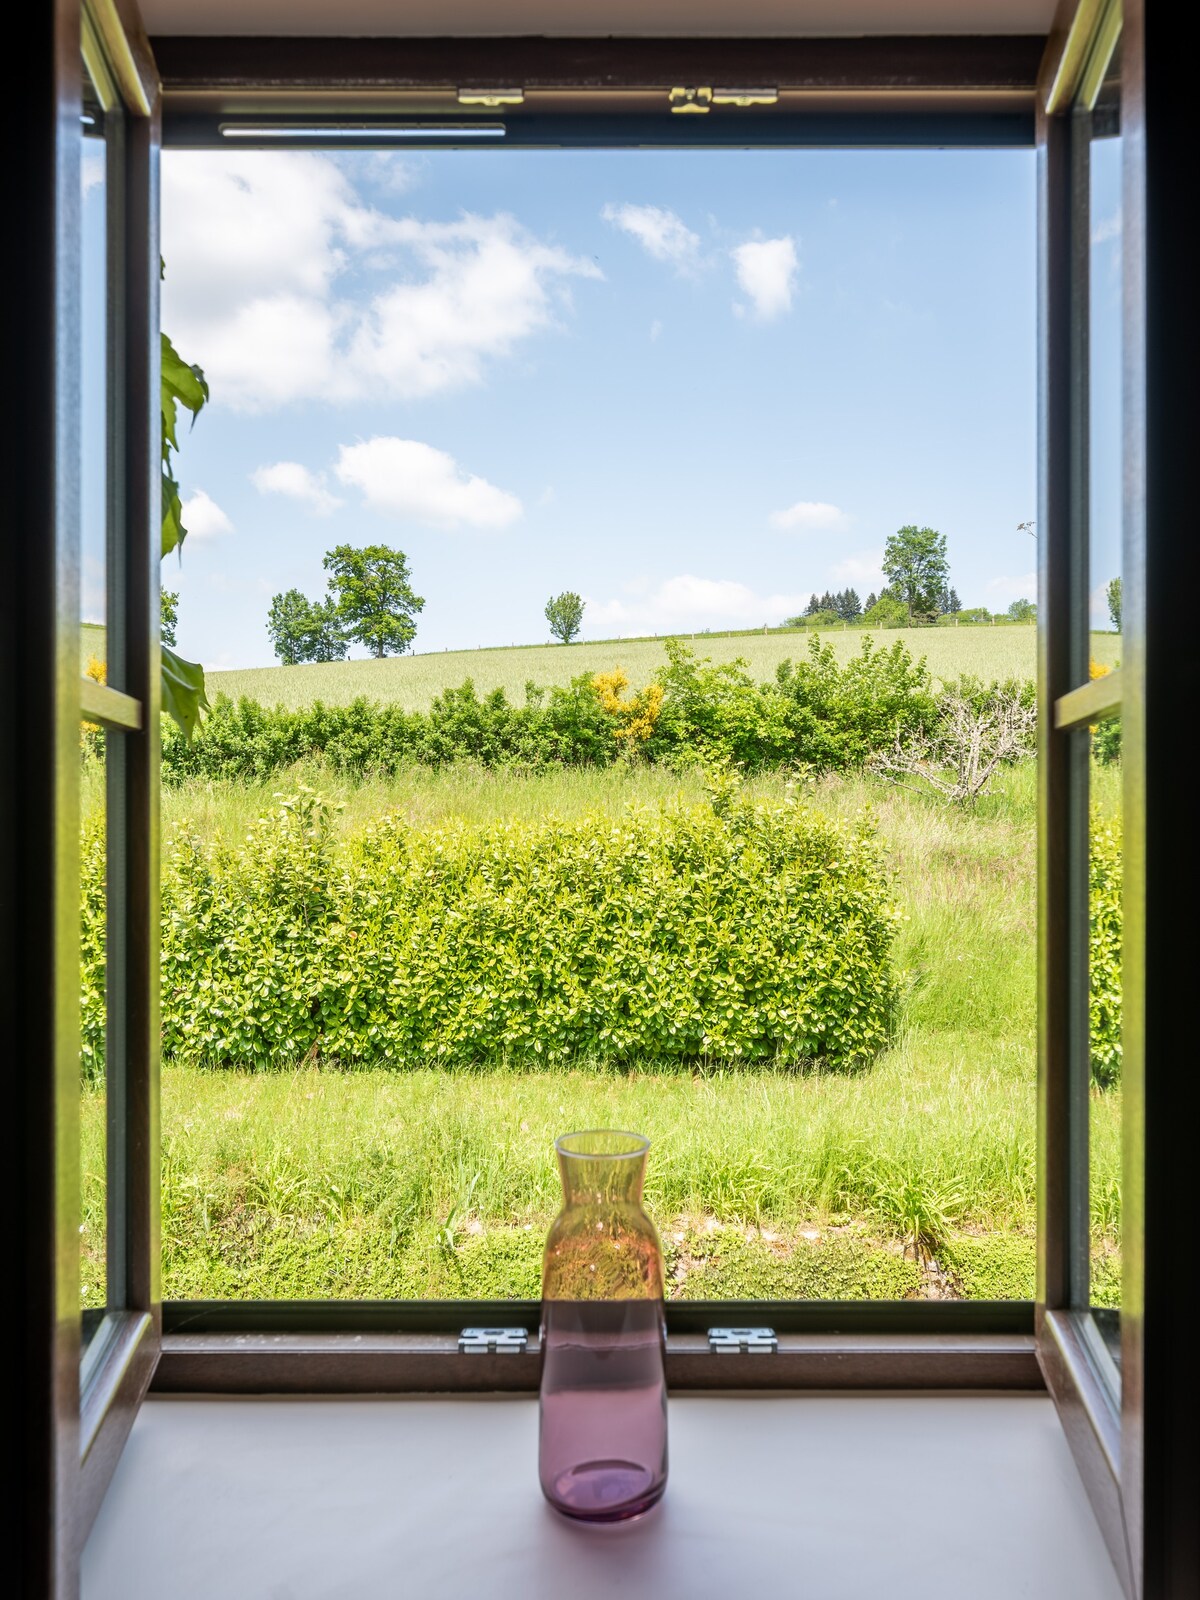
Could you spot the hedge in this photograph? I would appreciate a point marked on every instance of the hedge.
(1104, 956)
(814, 713)
(732, 931)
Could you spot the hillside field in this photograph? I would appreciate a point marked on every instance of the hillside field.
(413, 681)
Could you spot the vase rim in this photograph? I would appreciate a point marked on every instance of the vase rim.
(610, 1144)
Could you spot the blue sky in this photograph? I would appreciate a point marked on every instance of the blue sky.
(694, 386)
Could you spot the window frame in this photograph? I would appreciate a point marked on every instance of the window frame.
(612, 93)
(1143, 1477)
(119, 1359)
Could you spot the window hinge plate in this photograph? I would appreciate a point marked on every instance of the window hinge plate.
(492, 1341)
(742, 1341)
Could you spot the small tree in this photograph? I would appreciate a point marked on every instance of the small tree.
(564, 613)
(915, 564)
(974, 738)
(1114, 602)
(304, 630)
(373, 598)
(168, 614)
(953, 604)
(869, 601)
(1022, 611)
(289, 627)
(887, 612)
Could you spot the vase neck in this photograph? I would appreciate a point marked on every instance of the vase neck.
(602, 1168)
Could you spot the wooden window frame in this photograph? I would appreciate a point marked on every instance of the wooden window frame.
(1140, 1464)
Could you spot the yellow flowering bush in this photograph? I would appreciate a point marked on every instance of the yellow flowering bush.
(637, 716)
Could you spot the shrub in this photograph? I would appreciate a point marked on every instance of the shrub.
(1104, 955)
(814, 714)
(730, 930)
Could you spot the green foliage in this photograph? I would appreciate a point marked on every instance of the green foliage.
(887, 612)
(564, 613)
(915, 565)
(168, 614)
(1106, 740)
(1022, 611)
(816, 714)
(972, 615)
(1104, 955)
(739, 931)
(1114, 594)
(304, 630)
(183, 693)
(374, 599)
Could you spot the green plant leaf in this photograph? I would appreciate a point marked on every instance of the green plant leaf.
(183, 694)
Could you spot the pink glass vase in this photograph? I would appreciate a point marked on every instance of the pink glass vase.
(603, 1438)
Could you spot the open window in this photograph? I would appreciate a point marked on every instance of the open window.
(1111, 1170)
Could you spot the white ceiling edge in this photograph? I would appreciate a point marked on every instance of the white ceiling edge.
(590, 19)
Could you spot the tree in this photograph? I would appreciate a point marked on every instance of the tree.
(303, 630)
(1022, 611)
(953, 604)
(813, 606)
(1114, 603)
(849, 606)
(564, 613)
(915, 564)
(373, 597)
(168, 614)
(869, 602)
(289, 624)
(887, 612)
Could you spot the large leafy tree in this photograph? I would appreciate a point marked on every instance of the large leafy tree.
(918, 573)
(374, 600)
(564, 613)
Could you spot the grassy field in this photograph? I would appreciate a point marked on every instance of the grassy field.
(429, 1183)
(413, 681)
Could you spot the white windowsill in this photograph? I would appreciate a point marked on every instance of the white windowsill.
(825, 1496)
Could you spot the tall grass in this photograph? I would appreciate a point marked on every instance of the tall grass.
(427, 1182)
(413, 681)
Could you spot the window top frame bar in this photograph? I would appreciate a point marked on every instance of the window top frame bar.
(834, 92)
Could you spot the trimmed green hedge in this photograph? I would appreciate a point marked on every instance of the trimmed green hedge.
(730, 930)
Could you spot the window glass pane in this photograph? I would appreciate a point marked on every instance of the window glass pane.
(94, 479)
(1105, 522)
(781, 919)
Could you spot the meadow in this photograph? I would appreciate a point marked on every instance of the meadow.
(412, 682)
(913, 1175)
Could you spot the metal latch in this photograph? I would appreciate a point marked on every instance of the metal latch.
(492, 1341)
(742, 1341)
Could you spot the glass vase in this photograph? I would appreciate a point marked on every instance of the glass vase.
(603, 1425)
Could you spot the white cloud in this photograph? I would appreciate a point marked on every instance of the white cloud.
(661, 233)
(298, 483)
(766, 272)
(809, 516)
(687, 602)
(266, 255)
(203, 517)
(417, 483)
(1008, 589)
(91, 171)
(655, 330)
(861, 570)
(1107, 228)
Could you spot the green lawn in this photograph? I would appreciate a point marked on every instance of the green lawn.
(413, 681)
(431, 1183)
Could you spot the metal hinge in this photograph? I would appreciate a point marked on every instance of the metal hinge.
(742, 1341)
(697, 101)
(492, 1341)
